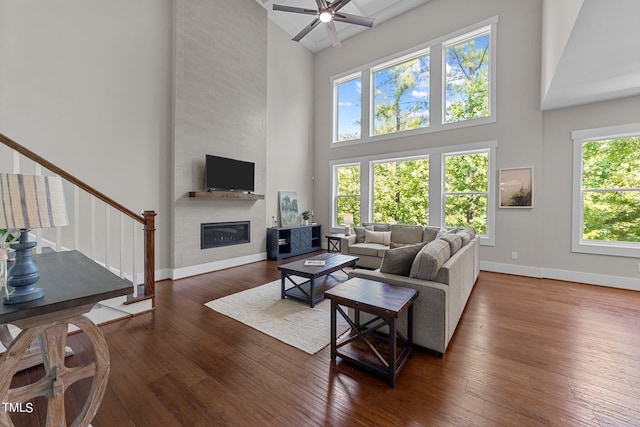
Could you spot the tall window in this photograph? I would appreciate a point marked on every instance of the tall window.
(401, 191)
(401, 96)
(347, 192)
(466, 190)
(608, 204)
(348, 116)
(397, 89)
(467, 77)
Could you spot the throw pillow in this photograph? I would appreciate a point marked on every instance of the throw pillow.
(399, 260)
(465, 237)
(378, 226)
(430, 233)
(361, 232)
(455, 242)
(409, 234)
(382, 237)
(429, 260)
(445, 230)
(471, 231)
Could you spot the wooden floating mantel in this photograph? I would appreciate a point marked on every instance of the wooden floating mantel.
(225, 195)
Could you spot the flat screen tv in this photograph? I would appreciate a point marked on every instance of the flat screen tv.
(226, 174)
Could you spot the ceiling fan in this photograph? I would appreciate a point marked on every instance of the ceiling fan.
(326, 13)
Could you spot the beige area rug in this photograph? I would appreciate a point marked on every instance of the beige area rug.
(288, 320)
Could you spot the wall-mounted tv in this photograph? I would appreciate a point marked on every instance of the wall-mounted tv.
(224, 174)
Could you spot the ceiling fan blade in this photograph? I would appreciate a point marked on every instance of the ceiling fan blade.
(333, 34)
(353, 19)
(322, 4)
(306, 30)
(338, 4)
(282, 8)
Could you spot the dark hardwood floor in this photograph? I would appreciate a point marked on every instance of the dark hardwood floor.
(527, 352)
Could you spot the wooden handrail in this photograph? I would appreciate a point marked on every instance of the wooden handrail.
(147, 218)
(72, 179)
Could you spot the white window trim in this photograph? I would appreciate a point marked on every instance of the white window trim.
(334, 97)
(491, 118)
(436, 186)
(334, 165)
(578, 244)
(434, 47)
(488, 239)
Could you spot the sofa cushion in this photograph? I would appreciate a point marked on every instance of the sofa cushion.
(361, 232)
(430, 233)
(466, 238)
(370, 249)
(407, 234)
(445, 230)
(382, 237)
(378, 226)
(399, 260)
(455, 242)
(471, 231)
(430, 259)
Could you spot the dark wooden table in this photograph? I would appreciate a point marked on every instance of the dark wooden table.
(364, 346)
(305, 291)
(334, 242)
(73, 284)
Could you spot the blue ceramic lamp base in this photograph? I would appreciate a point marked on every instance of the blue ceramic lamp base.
(24, 273)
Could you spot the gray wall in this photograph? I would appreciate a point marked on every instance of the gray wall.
(220, 109)
(87, 85)
(525, 136)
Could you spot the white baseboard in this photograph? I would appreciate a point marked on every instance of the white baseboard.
(570, 276)
(180, 273)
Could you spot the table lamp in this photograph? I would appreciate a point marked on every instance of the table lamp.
(347, 220)
(28, 202)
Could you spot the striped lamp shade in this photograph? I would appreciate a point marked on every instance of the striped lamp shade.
(31, 201)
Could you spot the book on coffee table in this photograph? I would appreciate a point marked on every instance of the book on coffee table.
(314, 263)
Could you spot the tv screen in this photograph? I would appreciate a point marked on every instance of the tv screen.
(226, 174)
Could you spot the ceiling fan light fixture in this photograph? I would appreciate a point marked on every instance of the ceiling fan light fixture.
(325, 16)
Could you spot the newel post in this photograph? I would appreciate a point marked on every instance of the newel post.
(149, 253)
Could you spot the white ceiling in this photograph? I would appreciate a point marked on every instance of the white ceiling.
(600, 61)
(317, 39)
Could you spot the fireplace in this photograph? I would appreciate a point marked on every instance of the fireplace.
(216, 234)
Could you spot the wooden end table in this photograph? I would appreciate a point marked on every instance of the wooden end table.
(334, 242)
(73, 284)
(305, 291)
(384, 301)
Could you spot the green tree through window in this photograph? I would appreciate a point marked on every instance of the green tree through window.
(466, 184)
(401, 96)
(401, 192)
(347, 192)
(467, 79)
(611, 190)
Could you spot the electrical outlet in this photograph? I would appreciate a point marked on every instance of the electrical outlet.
(514, 255)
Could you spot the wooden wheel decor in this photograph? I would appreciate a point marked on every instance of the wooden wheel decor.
(57, 377)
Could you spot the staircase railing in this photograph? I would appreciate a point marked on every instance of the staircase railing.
(144, 291)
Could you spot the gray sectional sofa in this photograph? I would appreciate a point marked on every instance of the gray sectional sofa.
(442, 267)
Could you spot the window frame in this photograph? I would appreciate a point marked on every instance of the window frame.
(578, 243)
(435, 49)
(491, 30)
(335, 122)
(372, 165)
(489, 237)
(436, 182)
(335, 224)
(388, 64)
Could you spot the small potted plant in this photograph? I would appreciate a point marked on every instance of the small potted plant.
(306, 215)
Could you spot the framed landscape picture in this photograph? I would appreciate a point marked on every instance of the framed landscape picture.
(288, 208)
(516, 187)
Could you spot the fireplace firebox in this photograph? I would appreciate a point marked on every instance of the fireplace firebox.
(216, 234)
